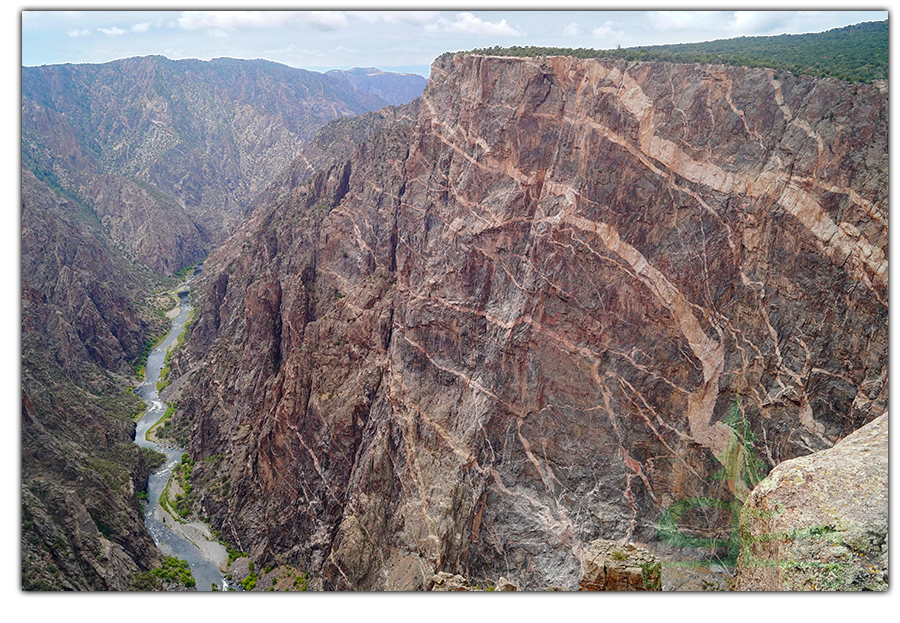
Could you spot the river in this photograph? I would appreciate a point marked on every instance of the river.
(206, 572)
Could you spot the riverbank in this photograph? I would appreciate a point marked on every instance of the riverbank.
(197, 533)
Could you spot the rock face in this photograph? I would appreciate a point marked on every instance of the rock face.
(335, 142)
(571, 295)
(612, 566)
(444, 582)
(820, 522)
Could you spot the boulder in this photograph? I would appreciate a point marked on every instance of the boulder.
(448, 582)
(820, 522)
(504, 585)
(612, 566)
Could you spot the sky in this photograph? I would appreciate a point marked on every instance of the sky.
(407, 39)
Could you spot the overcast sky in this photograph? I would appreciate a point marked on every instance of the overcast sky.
(409, 39)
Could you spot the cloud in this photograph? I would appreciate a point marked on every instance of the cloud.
(682, 20)
(469, 24)
(79, 33)
(290, 49)
(112, 32)
(231, 20)
(573, 30)
(406, 50)
(326, 20)
(141, 27)
(415, 18)
(607, 31)
(757, 22)
(227, 21)
(293, 51)
(736, 22)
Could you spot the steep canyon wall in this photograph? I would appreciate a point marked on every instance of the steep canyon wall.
(567, 296)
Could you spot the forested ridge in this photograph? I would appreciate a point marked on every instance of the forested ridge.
(857, 53)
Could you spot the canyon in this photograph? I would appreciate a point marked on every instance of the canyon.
(550, 301)
(562, 298)
(131, 171)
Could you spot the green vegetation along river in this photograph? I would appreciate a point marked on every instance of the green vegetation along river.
(205, 570)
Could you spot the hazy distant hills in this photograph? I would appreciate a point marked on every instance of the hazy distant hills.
(169, 152)
(394, 88)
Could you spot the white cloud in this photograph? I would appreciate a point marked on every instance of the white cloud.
(682, 20)
(141, 27)
(469, 24)
(406, 50)
(231, 20)
(758, 21)
(112, 32)
(411, 17)
(79, 33)
(608, 31)
(573, 30)
(227, 21)
(326, 20)
(737, 22)
(415, 18)
(290, 49)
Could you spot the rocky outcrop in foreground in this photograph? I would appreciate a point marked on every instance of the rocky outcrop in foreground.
(820, 522)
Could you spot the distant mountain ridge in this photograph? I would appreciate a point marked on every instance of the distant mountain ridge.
(169, 152)
(394, 88)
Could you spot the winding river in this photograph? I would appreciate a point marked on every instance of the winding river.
(206, 572)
